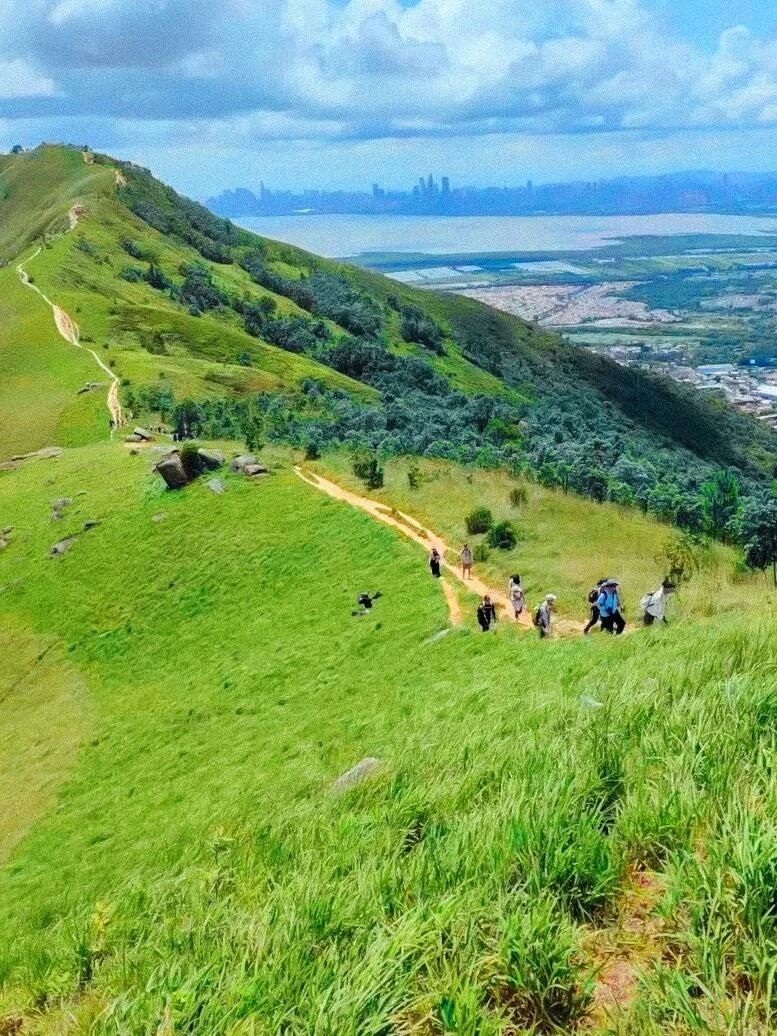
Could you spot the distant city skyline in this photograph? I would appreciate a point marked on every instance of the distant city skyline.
(697, 191)
(326, 93)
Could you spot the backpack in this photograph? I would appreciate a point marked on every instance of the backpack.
(537, 616)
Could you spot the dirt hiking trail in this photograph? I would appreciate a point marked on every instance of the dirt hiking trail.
(69, 330)
(413, 529)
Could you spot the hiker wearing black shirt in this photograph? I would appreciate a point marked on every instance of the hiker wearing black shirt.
(593, 597)
(486, 614)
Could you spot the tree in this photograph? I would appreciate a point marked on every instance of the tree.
(721, 504)
(17, 149)
(758, 533)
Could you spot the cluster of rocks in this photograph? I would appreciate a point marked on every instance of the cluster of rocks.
(247, 464)
(140, 435)
(91, 386)
(179, 468)
(5, 536)
(58, 508)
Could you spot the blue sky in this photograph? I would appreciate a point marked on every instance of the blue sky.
(215, 93)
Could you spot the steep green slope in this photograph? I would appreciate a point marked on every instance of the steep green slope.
(219, 332)
(198, 874)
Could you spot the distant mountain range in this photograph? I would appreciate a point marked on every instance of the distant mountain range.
(737, 193)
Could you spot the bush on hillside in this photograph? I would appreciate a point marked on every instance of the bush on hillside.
(479, 520)
(503, 536)
(519, 497)
(480, 553)
(366, 467)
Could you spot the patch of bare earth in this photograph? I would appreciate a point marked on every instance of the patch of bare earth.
(624, 950)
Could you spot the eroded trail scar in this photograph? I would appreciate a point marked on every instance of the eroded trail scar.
(68, 329)
(413, 529)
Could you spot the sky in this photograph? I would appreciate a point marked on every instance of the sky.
(212, 94)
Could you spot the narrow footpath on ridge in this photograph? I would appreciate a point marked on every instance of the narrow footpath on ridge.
(69, 330)
(413, 529)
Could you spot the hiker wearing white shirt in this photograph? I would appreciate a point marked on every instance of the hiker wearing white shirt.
(515, 593)
(466, 558)
(654, 605)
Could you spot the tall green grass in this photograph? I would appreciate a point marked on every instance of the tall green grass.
(199, 873)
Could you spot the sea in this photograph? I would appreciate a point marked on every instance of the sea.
(351, 237)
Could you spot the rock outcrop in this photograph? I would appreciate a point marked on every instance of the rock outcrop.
(172, 470)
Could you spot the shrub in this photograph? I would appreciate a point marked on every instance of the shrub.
(481, 553)
(367, 467)
(479, 520)
(519, 497)
(415, 477)
(503, 536)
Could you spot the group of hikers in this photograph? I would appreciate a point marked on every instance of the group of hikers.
(604, 600)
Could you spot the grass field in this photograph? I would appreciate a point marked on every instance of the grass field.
(198, 874)
(574, 835)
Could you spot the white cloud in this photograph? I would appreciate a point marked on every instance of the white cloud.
(19, 79)
(378, 69)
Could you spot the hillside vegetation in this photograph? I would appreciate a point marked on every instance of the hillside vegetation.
(557, 836)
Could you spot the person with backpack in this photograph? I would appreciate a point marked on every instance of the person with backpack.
(654, 605)
(467, 558)
(593, 597)
(435, 562)
(366, 601)
(543, 616)
(515, 594)
(610, 607)
(486, 614)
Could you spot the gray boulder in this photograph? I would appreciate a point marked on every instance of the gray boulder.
(62, 547)
(91, 523)
(244, 460)
(252, 470)
(363, 769)
(216, 485)
(143, 434)
(134, 438)
(62, 503)
(172, 471)
(3, 542)
(211, 459)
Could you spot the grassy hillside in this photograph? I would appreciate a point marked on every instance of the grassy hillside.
(190, 310)
(559, 836)
(198, 874)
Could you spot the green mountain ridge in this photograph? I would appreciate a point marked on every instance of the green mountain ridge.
(567, 835)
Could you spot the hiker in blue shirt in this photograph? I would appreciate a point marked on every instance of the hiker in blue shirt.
(610, 608)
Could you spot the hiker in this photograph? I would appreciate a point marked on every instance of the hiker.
(611, 608)
(486, 614)
(593, 597)
(654, 605)
(435, 562)
(366, 601)
(515, 593)
(543, 615)
(466, 558)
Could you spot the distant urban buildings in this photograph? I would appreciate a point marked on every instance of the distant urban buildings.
(744, 193)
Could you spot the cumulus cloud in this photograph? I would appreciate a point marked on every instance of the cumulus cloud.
(346, 69)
